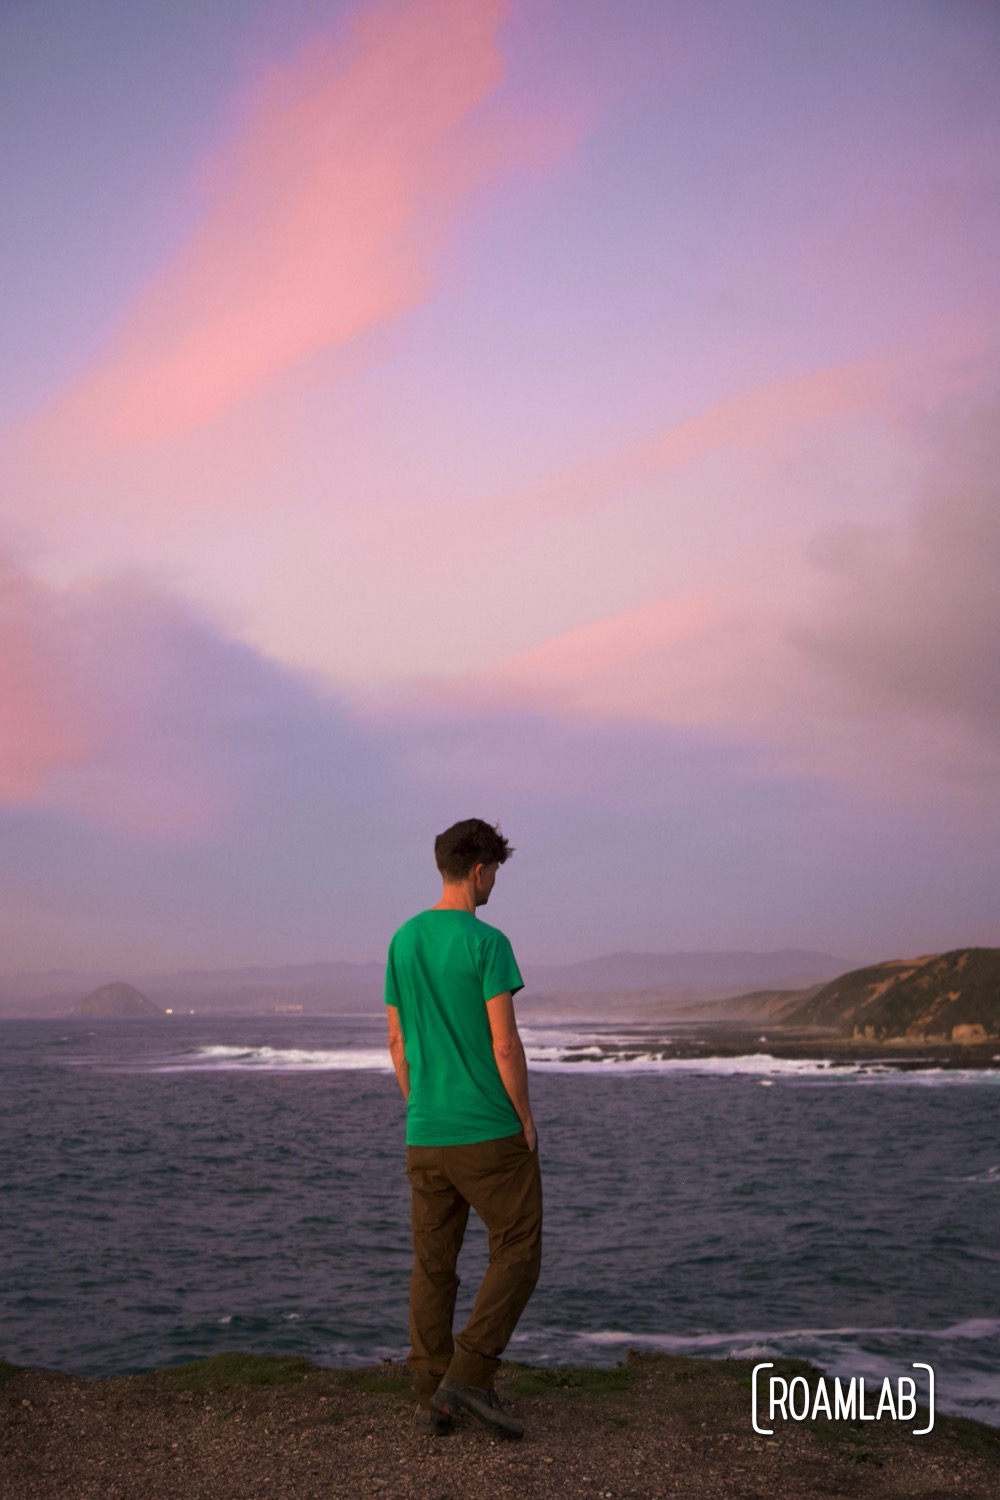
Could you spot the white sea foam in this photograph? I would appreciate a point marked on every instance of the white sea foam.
(681, 1343)
(636, 1060)
(283, 1059)
(579, 1054)
(988, 1175)
(587, 1054)
(969, 1387)
(931, 1077)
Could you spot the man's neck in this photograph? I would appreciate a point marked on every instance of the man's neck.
(457, 898)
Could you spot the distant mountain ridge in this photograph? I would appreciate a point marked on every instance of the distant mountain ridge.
(790, 968)
(951, 996)
(318, 987)
(336, 985)
(330, 971)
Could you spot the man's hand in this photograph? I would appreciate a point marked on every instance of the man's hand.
(397, 1051)
(510, 1060)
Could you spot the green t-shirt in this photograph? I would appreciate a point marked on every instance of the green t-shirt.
(443, 967)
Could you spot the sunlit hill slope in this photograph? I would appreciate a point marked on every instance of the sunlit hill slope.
(948, 996)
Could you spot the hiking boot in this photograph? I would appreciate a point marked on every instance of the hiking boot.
(483, 1406)
(433, 1423)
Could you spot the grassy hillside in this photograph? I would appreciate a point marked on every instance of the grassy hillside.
(954, 996)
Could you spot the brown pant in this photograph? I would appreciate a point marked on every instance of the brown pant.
(500, 1179)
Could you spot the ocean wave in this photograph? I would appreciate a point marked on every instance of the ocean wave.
(753, 1342)
(627, 1059)
(961, 1354)
(280, 1059)
(583, 1056)
(988, 1175)
(625, 1056)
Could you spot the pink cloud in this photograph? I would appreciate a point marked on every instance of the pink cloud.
(324, 216)
(680, 660)
(40, 725)
(96, 709)
(758, 418)
(732, 667)
(879, 669)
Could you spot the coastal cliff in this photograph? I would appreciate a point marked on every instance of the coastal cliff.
(952, 997)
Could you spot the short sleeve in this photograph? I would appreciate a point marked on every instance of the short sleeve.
(391, 987)
(499, 967)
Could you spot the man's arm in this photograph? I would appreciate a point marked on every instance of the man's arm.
(397, 1050)
(511, 1063)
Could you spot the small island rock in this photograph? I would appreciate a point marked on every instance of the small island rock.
(116, 999)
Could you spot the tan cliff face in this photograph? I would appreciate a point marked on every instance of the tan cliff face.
(969, 1035)
(943, 997)
(963, 1036)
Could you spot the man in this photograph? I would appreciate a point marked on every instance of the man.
(471, 1140)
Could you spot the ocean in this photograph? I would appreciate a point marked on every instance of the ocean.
(173, 1188)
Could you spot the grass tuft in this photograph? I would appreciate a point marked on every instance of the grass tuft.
(226, 1372)
(971, 1437)
(375, 1382)
(846, 1441)
(574, 1380)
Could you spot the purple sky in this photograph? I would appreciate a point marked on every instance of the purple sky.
(579, 416)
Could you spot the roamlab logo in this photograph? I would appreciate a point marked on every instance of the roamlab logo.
(837, 1400)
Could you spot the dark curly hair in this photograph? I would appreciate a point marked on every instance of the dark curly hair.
(464, 845)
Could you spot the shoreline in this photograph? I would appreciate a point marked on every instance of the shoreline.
(675, 1037)
(236, 1426)
(660, 1041)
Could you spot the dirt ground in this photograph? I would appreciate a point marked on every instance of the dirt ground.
(239, 1426)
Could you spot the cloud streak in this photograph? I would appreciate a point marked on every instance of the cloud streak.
(757, 418)
(325, 215)
(879, 670)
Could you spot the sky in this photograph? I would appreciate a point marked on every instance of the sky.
(580, 416)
